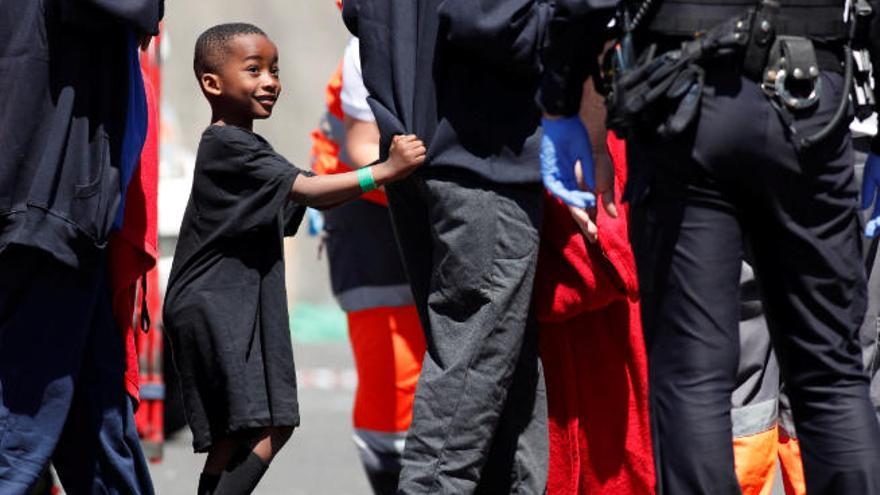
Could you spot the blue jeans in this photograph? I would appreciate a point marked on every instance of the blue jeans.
(62, 392)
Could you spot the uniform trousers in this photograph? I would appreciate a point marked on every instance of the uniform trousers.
(735, 174)
(479, 416)
(388, 345)
(62, 395)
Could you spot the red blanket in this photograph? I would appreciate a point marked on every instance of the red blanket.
(133, 249)
(593, 352)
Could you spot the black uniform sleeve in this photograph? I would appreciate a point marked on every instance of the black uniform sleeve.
(143, 15)
(576, 35)
(504, 32)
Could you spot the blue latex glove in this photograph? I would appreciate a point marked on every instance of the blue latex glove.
(316, 221)
(565, 142)
(870, 194)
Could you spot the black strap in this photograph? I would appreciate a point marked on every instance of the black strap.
(763, 32)
(145, 311)
(688, 17)
(871, 256)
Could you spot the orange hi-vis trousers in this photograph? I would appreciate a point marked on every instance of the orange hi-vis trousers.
(388, 346)
(755, 458)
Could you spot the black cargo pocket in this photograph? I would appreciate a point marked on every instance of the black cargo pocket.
(93, 184)
(86, 209)
(517, 219)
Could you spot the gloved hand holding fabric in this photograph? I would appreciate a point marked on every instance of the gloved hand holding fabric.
(870, 186)
(565, 142)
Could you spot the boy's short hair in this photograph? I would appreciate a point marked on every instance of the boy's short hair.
(211, 45)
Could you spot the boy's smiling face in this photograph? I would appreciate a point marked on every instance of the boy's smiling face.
(246, 85)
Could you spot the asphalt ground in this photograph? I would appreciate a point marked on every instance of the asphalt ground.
(319, 459)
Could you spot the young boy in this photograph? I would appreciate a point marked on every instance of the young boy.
(225, 309)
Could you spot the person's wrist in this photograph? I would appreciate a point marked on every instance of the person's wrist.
(382, 173)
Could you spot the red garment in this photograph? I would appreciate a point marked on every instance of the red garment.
(593, 353)
(133, 250)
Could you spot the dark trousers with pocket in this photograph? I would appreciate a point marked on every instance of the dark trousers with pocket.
(62, 394)
(736, 175)
(479, 417)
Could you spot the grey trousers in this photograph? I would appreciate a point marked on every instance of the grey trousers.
(479, 417)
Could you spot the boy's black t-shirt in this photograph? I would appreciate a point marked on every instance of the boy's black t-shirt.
(226, 305)
(239, 199)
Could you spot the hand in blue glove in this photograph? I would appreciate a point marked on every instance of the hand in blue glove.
(870, 195)
(565, 142)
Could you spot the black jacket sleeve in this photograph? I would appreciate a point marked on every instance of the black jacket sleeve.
(505, 32)
(142, 15)
(576, 35)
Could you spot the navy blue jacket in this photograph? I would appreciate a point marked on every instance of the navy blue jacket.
(460, 74)
(63, 95)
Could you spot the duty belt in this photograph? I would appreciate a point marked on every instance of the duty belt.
(807, 18)
(668, 84)
(665, 90)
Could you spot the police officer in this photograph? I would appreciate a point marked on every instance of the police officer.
(738, 132)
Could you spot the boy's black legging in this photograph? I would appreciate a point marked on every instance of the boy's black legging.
(242, 475)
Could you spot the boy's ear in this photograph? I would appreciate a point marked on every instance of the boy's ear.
(211, 84)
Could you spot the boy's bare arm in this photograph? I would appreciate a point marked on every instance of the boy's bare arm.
(327, 191)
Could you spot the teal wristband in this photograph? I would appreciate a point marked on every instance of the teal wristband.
(366, 180)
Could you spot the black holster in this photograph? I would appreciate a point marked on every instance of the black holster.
(664, 91)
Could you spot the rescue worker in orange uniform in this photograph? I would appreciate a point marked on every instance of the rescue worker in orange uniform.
(368, 280)
(763, 428)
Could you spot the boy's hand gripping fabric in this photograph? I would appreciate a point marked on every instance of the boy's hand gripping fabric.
(565, 142)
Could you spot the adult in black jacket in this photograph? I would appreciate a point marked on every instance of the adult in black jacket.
(739, 170)
(462, 75)
(68, 76)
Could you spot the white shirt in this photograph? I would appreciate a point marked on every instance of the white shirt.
(354, 93)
